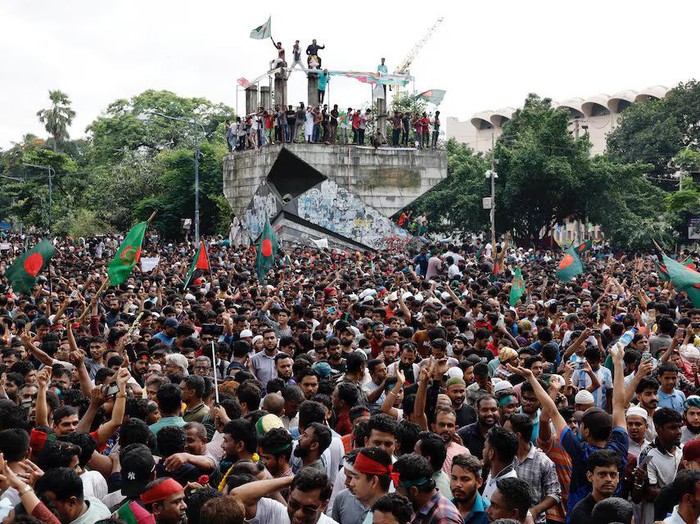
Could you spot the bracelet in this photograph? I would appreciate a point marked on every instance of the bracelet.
(24, 492)
(121, 395)
(391, 393)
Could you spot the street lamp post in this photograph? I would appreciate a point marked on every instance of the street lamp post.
(491, 173)
(196, 126)
(52, 172)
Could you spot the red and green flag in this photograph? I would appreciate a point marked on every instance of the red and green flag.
(266, 249)
(200, 261)
(23, 272)
(663, 272)
(684, 279)
(517, 288)
(569, 266)
(582, 248)
(127, 256)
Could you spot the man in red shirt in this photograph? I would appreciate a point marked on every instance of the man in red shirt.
(425, 130)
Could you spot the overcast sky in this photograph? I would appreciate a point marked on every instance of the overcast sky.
(487, 55)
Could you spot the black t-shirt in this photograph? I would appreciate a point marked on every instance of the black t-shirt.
(472, 439)
(581, 514)
(291, 116)
(465, 415)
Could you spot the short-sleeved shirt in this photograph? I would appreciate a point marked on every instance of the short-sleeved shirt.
(581, 380)
(675, 400)
(438, 510)
(579, 452)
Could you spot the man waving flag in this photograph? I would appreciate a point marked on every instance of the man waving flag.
(201, 261)
(570, 266)
(128, 255)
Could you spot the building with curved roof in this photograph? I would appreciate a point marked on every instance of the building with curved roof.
(596, 116)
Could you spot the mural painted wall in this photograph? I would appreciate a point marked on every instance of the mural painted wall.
(336, 209)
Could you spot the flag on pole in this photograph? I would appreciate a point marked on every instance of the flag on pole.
(570, 266)
(262, 31)
(433, 96)
(200, 261)
(127, 256)
(582, 248)
(517, 288)
(684, 279)
(243, 82)
(22, 273)
(266, 249)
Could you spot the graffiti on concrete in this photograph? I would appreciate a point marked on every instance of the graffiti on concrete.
(336, 209)
(262, 207)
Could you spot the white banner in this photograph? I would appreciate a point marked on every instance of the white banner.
(321, 243)
(149, 263)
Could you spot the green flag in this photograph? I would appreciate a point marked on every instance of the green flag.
(582, 248)
(200, 261)
(684, 279)
(262, 31)
(127, 256)
(570, 266)
(517, 288)
(433, 96)
(266, 249)
(22, 273)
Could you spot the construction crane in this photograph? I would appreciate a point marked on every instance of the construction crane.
(403, 67)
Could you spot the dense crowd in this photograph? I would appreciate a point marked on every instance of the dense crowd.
(319, 125)
(351, 388)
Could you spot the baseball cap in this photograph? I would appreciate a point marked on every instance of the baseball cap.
(137, 465)
(323, 368)
(171, 322)
(596, 418)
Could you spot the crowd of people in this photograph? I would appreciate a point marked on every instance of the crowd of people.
(319, 125)
(347, 388)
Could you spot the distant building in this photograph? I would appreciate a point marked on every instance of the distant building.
(596, 116)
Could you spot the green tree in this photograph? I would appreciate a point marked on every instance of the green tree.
(541, 170)
(455, 203)
(656, 130)
(58, 117)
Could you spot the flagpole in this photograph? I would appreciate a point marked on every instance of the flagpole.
(213, 366)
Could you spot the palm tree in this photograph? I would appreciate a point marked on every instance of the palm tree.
(58, 117)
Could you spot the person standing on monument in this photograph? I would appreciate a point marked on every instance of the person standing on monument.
(296, 52)
(323, 80)
(313, 60)
(300, 121)
(333, 126)
(280, 61)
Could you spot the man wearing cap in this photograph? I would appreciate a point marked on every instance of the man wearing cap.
(691, 414)
(167, 336)
(137, 470)
(164, 498)
(598, 429)
(637, 422)
(456, 389)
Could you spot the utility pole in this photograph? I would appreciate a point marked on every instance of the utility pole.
(52, 172)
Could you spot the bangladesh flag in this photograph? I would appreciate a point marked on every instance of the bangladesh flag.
(517, 288)
(570, 265)
(266, 249)
(582, 248)
(128, 255)
(22, 273)
(201, 261)
(663, 272)
(684, 279)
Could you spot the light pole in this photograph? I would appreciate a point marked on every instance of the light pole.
(491, 173)
(196, 126)
(52, 172)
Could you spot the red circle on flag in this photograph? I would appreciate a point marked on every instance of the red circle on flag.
(33, 264)
(566, 261)
(267, 248)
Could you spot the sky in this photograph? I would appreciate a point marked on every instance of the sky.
(486, 55)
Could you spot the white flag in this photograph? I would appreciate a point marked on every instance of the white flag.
(149, 263)
(321, 243)
(262, 31)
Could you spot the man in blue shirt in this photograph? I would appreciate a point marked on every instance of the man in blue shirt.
(465, 481)
(167, 336)
(669, 396)
(598, 430)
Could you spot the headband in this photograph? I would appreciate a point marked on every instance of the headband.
(276, 450)
(505, 400)
(349, 466)
(368, 466)
(162, 491)
(408, 483)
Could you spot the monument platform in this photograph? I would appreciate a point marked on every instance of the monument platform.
(342, 193)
